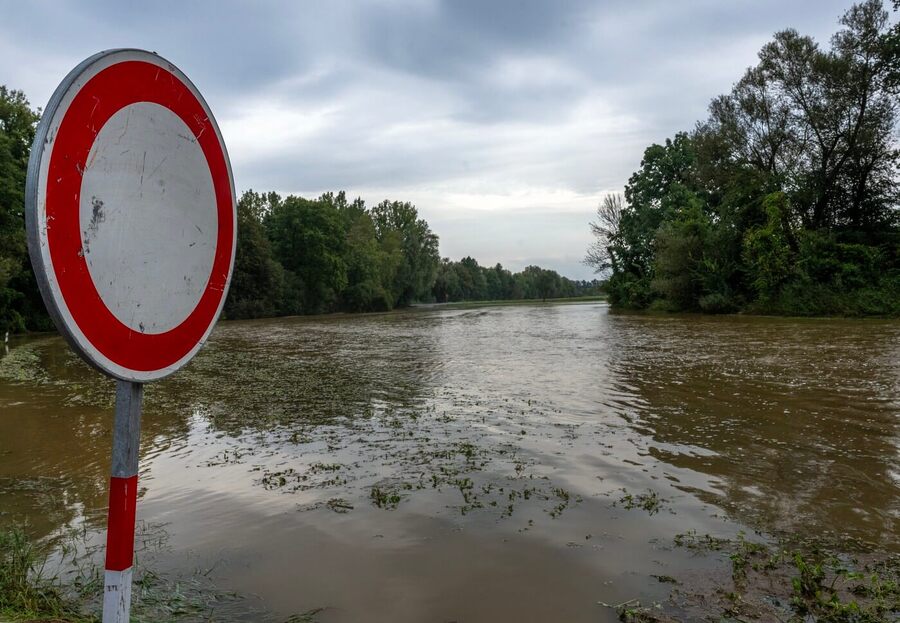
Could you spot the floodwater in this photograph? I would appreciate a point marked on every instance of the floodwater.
(469, 464)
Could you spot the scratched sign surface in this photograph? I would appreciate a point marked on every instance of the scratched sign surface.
(130, 210)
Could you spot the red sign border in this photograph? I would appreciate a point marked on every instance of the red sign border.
(120, 350)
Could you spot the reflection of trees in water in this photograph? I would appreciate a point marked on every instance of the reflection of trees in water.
(795, 421)
(266, 374)
(253, 376)
(55, 428)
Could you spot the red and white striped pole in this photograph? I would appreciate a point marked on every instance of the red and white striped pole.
(122, 503)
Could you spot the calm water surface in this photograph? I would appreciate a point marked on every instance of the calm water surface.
(469, 465)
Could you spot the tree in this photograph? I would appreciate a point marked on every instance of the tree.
(308, 241)
(257, 282)
(890, 54)
(472, 282)
(679, 248)
(840, 115)
(548, 284)
(652, 196)
(766, 250)
(20, 303)
(370, 268)
(798, 163)
(446, 283)
(419, 247)
(601, 255)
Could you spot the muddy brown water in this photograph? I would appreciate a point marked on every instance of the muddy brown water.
(469, 464)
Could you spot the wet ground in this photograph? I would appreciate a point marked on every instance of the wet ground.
(507, 463)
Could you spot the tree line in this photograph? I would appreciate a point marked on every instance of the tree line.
(294, 255)
(784, 200)
(302, 256)
(465, 280)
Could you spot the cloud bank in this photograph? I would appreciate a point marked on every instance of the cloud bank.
(504, 121)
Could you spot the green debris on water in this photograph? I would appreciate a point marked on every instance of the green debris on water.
(310, 616)
(789, 578)
(649, 501)
(339, 505)
(385, 497)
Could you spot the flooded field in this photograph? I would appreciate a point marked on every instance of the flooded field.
(508, 463)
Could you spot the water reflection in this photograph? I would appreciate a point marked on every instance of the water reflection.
(490, 426)
(797, 418)
(55, 437)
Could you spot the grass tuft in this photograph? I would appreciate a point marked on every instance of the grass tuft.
(26, 592)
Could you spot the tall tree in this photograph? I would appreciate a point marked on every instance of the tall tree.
(785, 199)
(20, 304)
(308, 240)
(419, 247)
(257, 282)
(601, 255)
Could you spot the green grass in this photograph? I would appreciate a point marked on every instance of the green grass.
(27, 593)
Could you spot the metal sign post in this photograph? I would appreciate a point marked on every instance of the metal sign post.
(131, 219)
(122, 502)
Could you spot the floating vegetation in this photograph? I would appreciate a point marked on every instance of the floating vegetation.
(793, 580)
(227, 457)
(306, 617)
(22, 364)
(465, 458)
(339, 505)
(564, 498)
(632, 611)
(705, 542)
(649, 501)
(385, 497)
(291, 480)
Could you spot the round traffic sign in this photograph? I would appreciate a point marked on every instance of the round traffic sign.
(130, 212)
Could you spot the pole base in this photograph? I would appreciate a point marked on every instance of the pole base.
(117, 596)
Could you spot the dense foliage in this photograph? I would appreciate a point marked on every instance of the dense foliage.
(20, 303)
(785, 200)
(467, 281)
(300, 256)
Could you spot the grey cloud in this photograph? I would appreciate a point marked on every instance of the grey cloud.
(505, 103)
(453, 40)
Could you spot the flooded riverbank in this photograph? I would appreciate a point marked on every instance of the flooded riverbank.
(505, 463)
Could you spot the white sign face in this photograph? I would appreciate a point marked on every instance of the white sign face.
(158, 279)
(131, 216)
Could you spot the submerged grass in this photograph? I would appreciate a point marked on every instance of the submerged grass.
(791, 580)
(27, 592)
(30, 593)
(650, 501)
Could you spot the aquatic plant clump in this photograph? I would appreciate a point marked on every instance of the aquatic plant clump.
(790, 579)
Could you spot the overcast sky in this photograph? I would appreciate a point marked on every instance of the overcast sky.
(504, 122)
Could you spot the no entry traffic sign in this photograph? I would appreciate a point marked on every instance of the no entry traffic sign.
(131, 214)
(131, 219)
